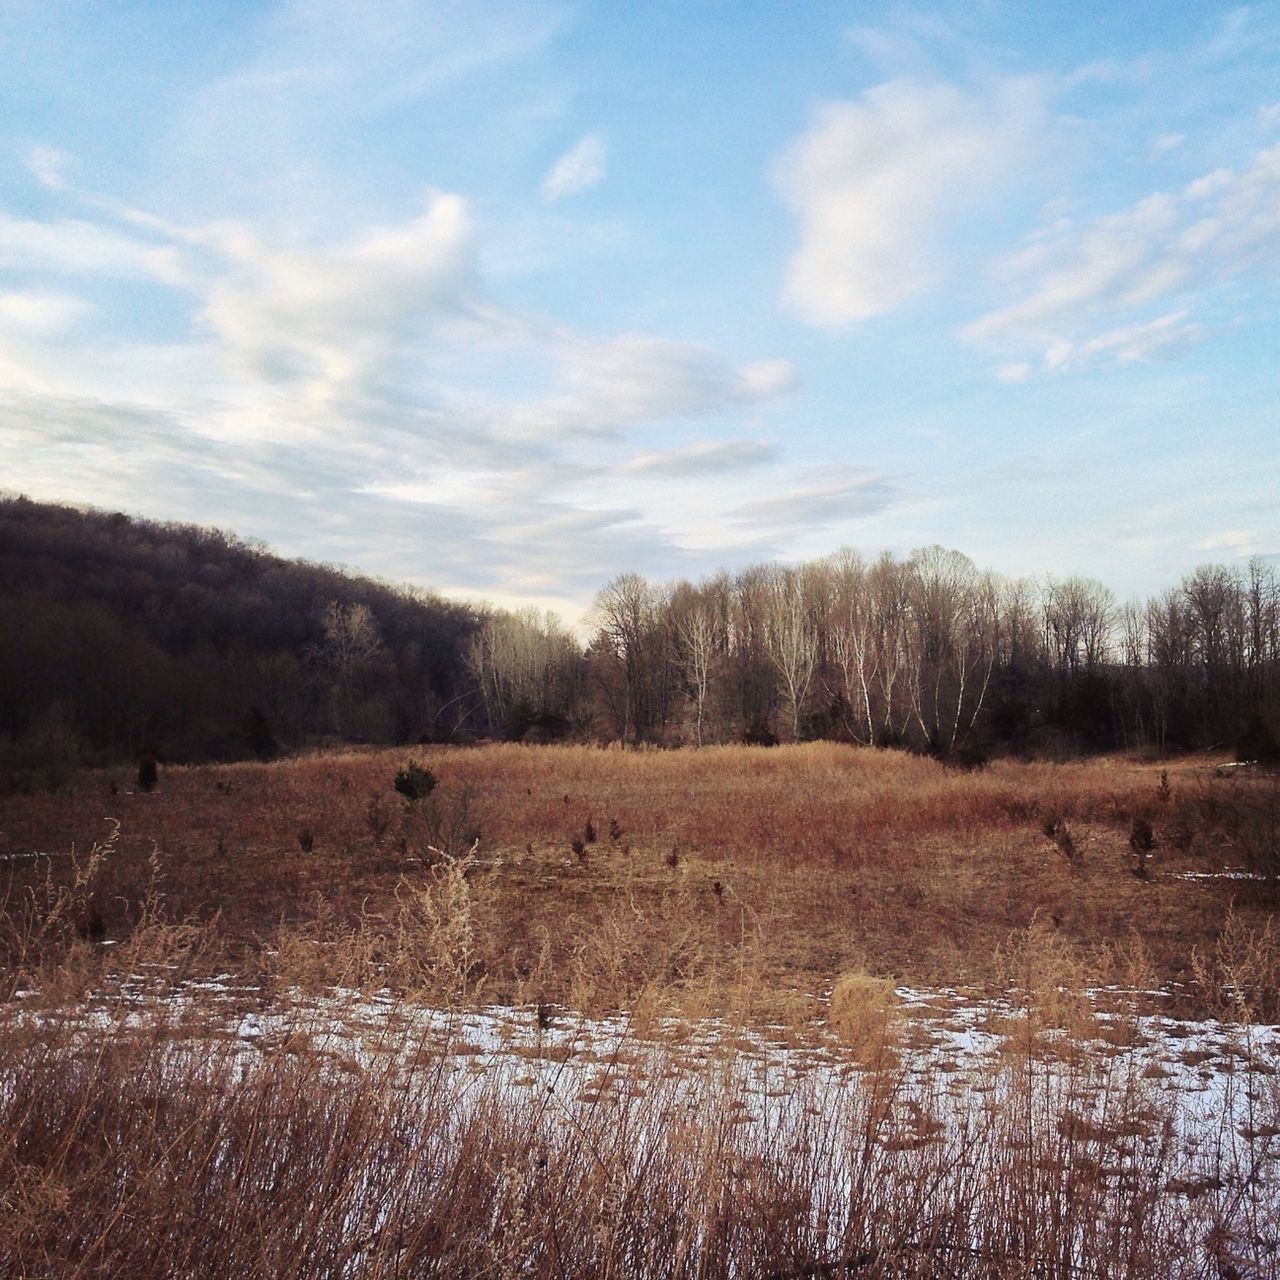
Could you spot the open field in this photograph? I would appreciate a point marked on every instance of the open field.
(738, 1012)
(713, 876)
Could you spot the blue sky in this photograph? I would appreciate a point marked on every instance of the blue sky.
(506, 299)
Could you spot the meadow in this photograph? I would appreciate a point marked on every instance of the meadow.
(804, 1011)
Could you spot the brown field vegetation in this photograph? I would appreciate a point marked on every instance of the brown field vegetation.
(780, 892)
(603, 879)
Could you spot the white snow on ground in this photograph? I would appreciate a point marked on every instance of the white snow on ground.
(949, 1043)
(1140, 1077)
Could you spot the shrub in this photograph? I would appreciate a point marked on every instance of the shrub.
(148, 773)
(448, 828)
(863, 1012)
(759, 734)
(415, 783)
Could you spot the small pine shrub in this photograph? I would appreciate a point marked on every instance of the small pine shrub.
(148, 773)
(415, 783)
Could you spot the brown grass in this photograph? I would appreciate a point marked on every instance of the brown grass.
(740, 879)
(147, 1138)
(154, 1148)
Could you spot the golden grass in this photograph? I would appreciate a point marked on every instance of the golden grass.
(753, 885)
(863, 1014)
(729, 880)
(152, 1146)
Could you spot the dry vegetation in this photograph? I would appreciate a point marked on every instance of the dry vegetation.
(604, 877)
(787, 888)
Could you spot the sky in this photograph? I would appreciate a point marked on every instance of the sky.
(506, 299)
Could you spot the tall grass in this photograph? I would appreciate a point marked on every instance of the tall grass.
(142, 1151)
(145, 1133)
(730, 879)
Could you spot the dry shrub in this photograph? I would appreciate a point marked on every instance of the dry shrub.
(1045, 975)
(1239, 975)
(420, 942)
(827, 857)
(864, 1014)
(48, 926)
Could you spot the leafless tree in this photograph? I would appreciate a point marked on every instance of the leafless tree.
(351, 646)
(791, 634)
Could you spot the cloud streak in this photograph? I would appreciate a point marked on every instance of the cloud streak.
(816, 505)
(332, 382)
(579, 169)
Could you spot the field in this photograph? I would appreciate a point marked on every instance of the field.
(734, 1012)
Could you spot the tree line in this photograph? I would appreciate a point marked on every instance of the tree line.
(121, 637)
(926, 652)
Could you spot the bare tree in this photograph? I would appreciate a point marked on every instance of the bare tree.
(791, 634)
(1079, 614)
(524, 664)
(628, 619)
(350, 647)
(955, 611)
(853, 641)
(698, 644)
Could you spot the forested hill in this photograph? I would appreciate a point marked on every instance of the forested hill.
(122, 636)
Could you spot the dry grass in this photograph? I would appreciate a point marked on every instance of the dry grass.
(153, 1148)
(729, 880)
(143, 1138)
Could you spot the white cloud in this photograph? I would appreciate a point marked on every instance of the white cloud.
(709, 458)
(47, 165)
(579, 169)
(371, 380)
(1167, 142)
(768, 377)
(1014, 373)
(74, 246)
(1238, 541)
(832, 501)
(1161, 338)
(1083, 288)
(875, 185)
(603, 386)
(41, 313)
(321, 319)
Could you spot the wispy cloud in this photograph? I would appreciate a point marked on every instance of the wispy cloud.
(875, 185)
(323, 319)
(42, 312)
(579, 169)
(365, 374)
(48, 166)
(72, 246)
(605, 386)
(1084, 288)
(818, 504)
(697, 460)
